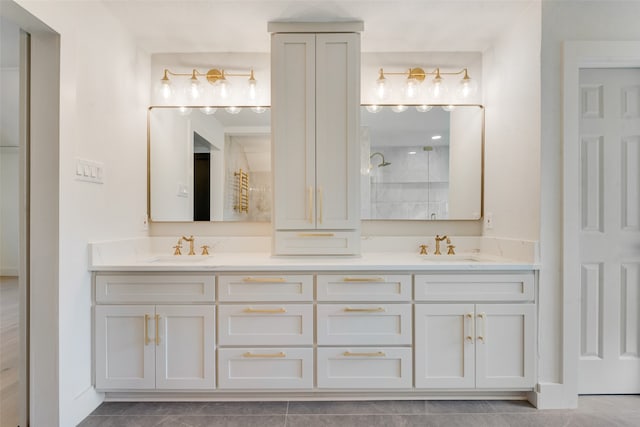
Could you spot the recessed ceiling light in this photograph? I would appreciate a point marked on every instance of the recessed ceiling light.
(412, 152)
(434, 137)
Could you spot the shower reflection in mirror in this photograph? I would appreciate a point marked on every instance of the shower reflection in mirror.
(421, 164)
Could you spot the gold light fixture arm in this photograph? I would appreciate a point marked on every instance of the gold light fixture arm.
(212, 76)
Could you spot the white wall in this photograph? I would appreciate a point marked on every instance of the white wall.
(511, 70)
(564, 21)
(103, 99)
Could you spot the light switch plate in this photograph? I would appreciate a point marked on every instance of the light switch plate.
(89, 171)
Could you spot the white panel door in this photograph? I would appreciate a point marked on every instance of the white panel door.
(505, 343)
(185, 347)
(610, 231)
(444, 346)
(337, 131)
(125, 347)
(293, 130)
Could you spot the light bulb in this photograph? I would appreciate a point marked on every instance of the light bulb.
(373, 108)
(233, 109)
(467, 87)
(224, 88)
(193, 89)
(412, 88)
(399, 108)
(184, 111)
(383, 87)
(258, 110)
(208, 110)
(423, 108)
(166, 88)
(437, 90)
(252, 90)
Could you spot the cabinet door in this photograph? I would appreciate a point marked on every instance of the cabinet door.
(444, 347)
(293, 130)
(505, 340)
(124, 346)
(185, 347)
(337, 131)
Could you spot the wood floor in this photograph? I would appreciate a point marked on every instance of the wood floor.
(9, 351)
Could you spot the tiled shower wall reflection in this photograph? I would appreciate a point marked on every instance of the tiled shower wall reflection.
(413, 186)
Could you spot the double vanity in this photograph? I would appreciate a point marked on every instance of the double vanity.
(316, 310)
(248, 325)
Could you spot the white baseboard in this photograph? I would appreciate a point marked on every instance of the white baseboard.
(552, 396)
(83, 405)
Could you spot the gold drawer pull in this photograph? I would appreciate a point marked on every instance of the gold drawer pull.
(365, 310)
(146, 329)
(249, 354)
(316, 234)
(363, 279)
(373, 354)
(264, 279)
(264, 310)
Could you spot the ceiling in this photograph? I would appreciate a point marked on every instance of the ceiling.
(389, 26)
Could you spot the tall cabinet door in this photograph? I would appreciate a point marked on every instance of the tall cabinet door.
(293, 124)
(505, 341)
(337, 131)
(185, 347)
(124, 345)
(444, 346)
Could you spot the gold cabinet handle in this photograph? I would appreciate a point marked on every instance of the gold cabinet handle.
(260, 310)
(310, 204)
(264, 279)
(320, 205)
(316, 234)
(157, 329)
(483, 337)
(363, 279)
(364, 310)
(469, 317)
(372, 354)
(146, 329)
(264, 355)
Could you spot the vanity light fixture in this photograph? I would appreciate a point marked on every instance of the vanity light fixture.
(416, 76)
(216, 77)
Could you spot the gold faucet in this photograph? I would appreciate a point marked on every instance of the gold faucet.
(423, 249)
(191, 241)
(177, 247)
(438, 240)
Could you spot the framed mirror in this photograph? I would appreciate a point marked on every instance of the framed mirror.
(421, 162)
(209, 164)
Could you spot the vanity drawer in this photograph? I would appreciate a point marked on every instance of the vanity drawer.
(364, 367)
(265, 368)
(155, 288)
(265, 287)
(474, 287)
(316, 242)
(364, 287)
(265, 324)
(364, 324)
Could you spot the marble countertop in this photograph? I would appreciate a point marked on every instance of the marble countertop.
(265, 262)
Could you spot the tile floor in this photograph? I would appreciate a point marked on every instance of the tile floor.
(593, 411)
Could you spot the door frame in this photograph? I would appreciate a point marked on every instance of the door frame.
(579, 55)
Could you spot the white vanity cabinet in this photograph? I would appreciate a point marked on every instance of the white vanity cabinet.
(463, 344)
(364, 331)
(315, 101)
(156, 345)
(266, 332)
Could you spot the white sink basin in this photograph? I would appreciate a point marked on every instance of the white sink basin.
(449, 258)
(179, 259)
